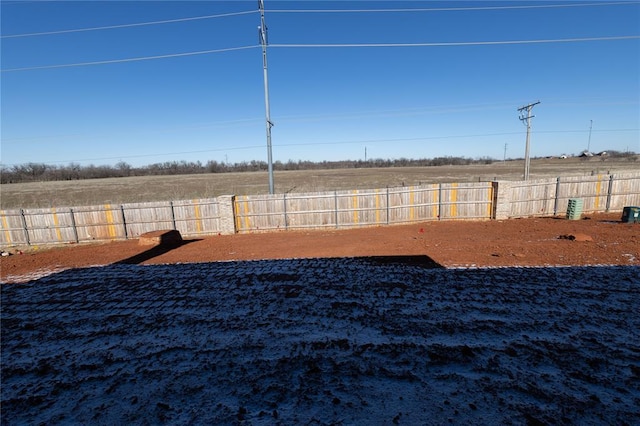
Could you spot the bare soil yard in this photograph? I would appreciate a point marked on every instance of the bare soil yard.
(598, 239)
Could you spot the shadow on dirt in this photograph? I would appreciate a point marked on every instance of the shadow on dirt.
(363, 339)
(561, 217)
(417, 260)
(154, 251)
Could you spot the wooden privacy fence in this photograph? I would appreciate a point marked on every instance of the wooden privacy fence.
(346, 209)
(600, 193)
(107, 222)
(338, 209)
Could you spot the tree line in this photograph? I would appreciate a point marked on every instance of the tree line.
(40, 172)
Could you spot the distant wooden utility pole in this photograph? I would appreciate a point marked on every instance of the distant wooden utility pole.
(526, 120)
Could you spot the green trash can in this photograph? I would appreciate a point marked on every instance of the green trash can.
(631, 214)
(574, 209)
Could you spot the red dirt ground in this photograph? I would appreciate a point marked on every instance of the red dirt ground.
(516, 242)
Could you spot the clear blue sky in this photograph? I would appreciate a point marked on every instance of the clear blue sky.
(327, 103)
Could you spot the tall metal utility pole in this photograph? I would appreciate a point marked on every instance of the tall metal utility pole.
(527, 118)
(262, 30)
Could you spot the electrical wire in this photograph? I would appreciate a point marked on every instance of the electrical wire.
(143, 58)
(341, 45)
(451, 9)
(139, 24)
(460, 43)
(224, 15)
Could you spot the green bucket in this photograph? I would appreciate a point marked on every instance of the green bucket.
(574, 209)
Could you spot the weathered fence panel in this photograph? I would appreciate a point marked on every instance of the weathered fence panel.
(197, 217)
(259, 212)
(107, 222)
(146, 217)
(357, 208)
(47, 225)
(13, 229)
(623, 191)
(413, 203)
(466, 201)
(591, 189)
(549, 197)
(103, 222)
(533, 198)
(311, 210)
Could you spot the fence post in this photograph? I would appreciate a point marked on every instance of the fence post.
(73, 225)
(609, 193)
(555, 201)
(503, 200)
(495, 187)
(284, 202)
(124, 222)
(335, 203)
(388, 207)
(24, 227)
(173, 216)
(229, 221)
(439, 201)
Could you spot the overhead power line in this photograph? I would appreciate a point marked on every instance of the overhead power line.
(144, 58)
(139, 24)
(461, 43)
(224, 15)
(453, 9)
(434, 44)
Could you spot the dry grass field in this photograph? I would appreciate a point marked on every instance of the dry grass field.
(163, 188)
